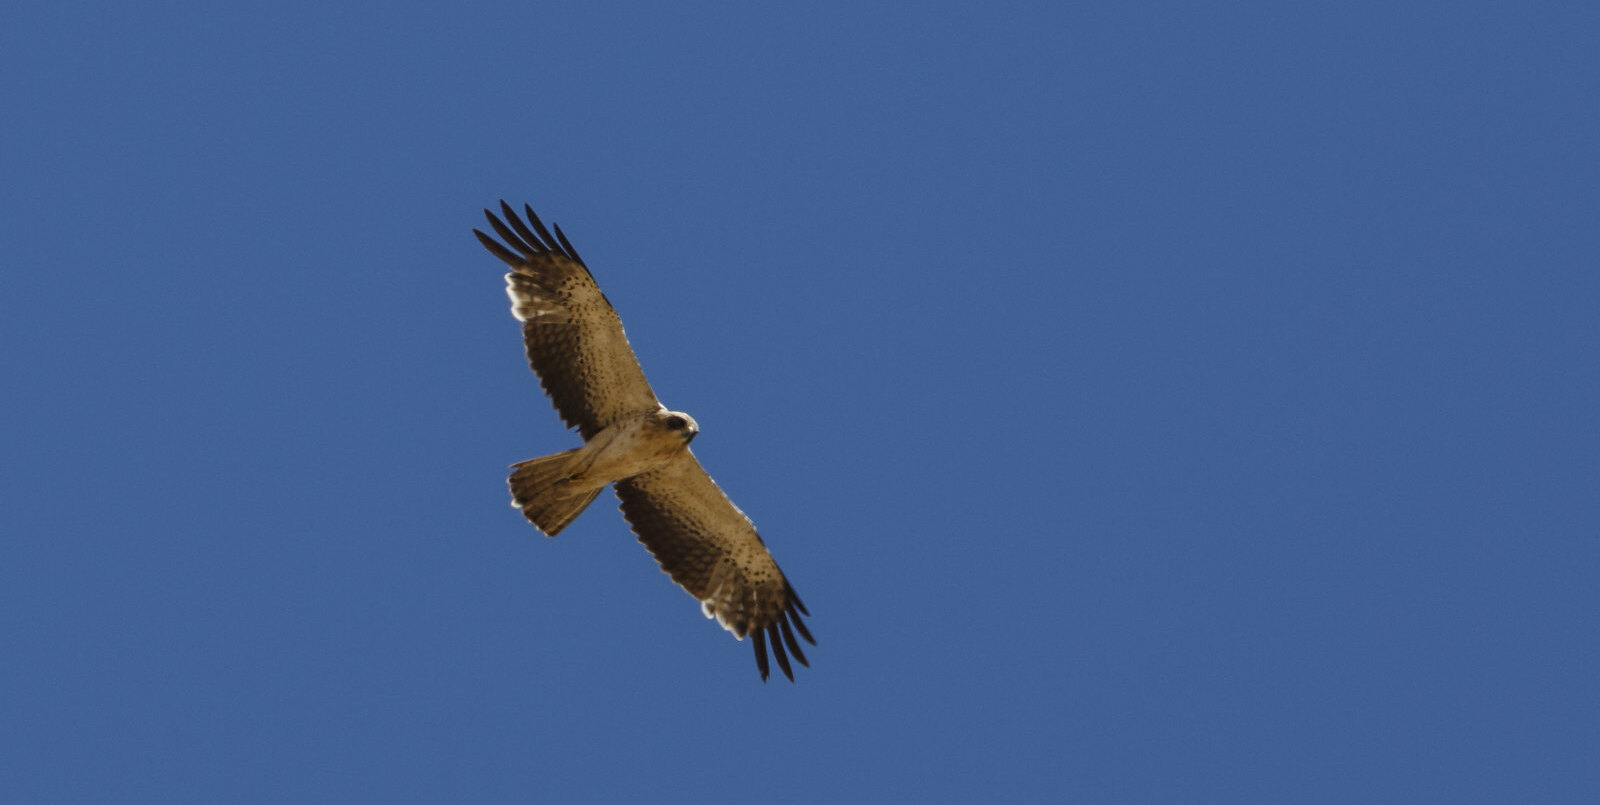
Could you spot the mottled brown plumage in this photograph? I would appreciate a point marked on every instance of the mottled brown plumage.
(576, 345)
(712, 550)
(572, 336)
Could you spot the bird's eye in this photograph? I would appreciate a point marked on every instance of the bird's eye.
(675, 423)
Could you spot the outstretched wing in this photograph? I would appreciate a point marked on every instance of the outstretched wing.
(713, 551)
(573, 337)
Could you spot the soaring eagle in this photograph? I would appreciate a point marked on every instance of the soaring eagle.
(576, 346)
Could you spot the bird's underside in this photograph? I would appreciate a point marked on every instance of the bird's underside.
(576, 345)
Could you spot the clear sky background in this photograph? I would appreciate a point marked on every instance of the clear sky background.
(1152, 403)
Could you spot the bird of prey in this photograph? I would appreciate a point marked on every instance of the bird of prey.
(576, 346)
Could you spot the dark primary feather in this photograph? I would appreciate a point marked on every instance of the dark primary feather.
(527, 242)
(758, 641)
(782, 626)
(573, 338)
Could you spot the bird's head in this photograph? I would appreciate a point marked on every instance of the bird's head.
(680, 423)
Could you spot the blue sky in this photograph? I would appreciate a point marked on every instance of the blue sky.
(1152, 403)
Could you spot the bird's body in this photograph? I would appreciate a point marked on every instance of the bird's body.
(576, 345)
(623, 449)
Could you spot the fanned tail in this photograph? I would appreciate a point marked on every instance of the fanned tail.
(539, 488)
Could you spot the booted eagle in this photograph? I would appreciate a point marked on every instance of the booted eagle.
(576, 346)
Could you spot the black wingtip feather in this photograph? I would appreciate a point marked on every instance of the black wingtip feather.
(794, 598)
(794, 645)
(509, 235)
(777, 651)
(538, 226)
(792, 614)
(800, 626)
(531, 239)
(522, 229)
(780, 636)
(567, 244)
(497, 250)
(760, 642)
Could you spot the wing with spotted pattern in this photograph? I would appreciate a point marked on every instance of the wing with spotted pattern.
(573, 337)
(712, 550)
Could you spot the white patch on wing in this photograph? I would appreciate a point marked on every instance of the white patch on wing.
(528, 305)
(717, 602)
